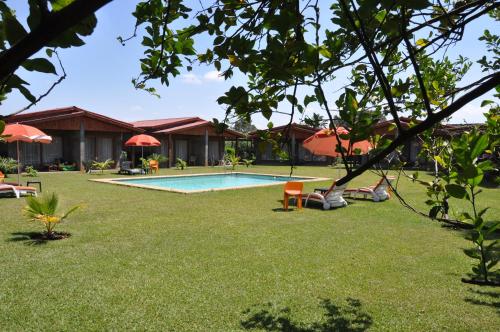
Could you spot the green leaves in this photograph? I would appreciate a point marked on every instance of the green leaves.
(415, 4)
(480, 144)
(14, 31)
(39, 64)
(456, 190)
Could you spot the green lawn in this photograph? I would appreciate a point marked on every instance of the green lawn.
(232, 260)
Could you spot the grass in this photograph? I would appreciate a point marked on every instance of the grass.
(232, 260)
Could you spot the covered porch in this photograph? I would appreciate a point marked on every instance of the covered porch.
(78, 137)
(197, 142)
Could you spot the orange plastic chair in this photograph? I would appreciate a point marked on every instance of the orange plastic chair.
(293, 189)
(153, 166)
(2, 177)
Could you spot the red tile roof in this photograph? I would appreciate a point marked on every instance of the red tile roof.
(197, 124)
(63, 113)
(294, 126)
(163, 122)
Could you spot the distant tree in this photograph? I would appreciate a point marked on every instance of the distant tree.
(243, 126)
(316, 121)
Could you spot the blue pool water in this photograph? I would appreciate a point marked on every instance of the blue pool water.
(210, 181)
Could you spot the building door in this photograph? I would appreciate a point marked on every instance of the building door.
(181, 149)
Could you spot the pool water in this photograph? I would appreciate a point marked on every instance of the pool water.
(205, 182)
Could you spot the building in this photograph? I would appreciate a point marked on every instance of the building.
(80, 136)
(191, 139)
(296, 134)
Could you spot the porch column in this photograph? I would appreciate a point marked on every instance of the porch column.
(206, 147)
(170, 150)
(82, 145)
(293, 148)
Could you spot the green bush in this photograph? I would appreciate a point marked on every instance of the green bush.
(8, 165)
(31, 171)
(181, 164)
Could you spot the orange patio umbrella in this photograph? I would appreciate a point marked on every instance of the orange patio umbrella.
(324, 143)
(24, 133)
(142, 140)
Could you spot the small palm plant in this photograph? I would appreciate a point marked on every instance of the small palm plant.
(181, 164)
(248, 162)
(158, 157)
(44, 210)
(102, 165)
(234, 160)
(31, 171)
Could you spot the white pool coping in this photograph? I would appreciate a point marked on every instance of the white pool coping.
(117, 181)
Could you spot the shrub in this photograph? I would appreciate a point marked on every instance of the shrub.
(102, 165)
(7, 165)
(181, 164)
(248, 162)
(31, 171)
(44, 210)
(158, 157)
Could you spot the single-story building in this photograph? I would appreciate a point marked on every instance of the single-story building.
(191, 139)
(297, 133)
(80, 136)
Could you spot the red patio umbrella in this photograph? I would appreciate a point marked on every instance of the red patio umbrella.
(24, 133)
(142, 140)
(324, 143)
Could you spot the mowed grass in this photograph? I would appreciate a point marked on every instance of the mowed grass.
(149, 260)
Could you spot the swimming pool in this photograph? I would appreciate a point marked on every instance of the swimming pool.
(206, 182)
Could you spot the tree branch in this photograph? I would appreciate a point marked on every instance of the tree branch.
(48, 30)
(430, 121)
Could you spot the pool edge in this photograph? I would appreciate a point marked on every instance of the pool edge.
(115, 181)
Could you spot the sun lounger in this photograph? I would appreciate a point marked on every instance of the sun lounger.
(378, 192)
(18, 191)
(330, 198)
(126, 168)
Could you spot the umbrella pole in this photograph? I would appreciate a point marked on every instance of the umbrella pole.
(142, 152)
(18, 166)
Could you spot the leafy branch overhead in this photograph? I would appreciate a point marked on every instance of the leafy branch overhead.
(391, 59)
(354, 61)
(50, 25)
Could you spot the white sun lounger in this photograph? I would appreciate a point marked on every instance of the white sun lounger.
(17, 190)
(331, 198)
(379, 192)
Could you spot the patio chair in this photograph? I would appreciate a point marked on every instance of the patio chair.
(2, 177)
(126, 168)
(18, 191)
(292, 189)
(330, 198)
(154, 166)
(378, 192)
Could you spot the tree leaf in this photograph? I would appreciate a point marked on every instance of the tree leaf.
(480, 145)
(456, 190)
(39, 64)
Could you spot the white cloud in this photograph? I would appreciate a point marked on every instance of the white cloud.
(213, 75)
(190, 78)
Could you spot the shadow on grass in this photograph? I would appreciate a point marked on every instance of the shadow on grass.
(36, 238)
(345, 317)
(485, 298)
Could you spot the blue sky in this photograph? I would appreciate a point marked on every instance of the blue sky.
(99, 75)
